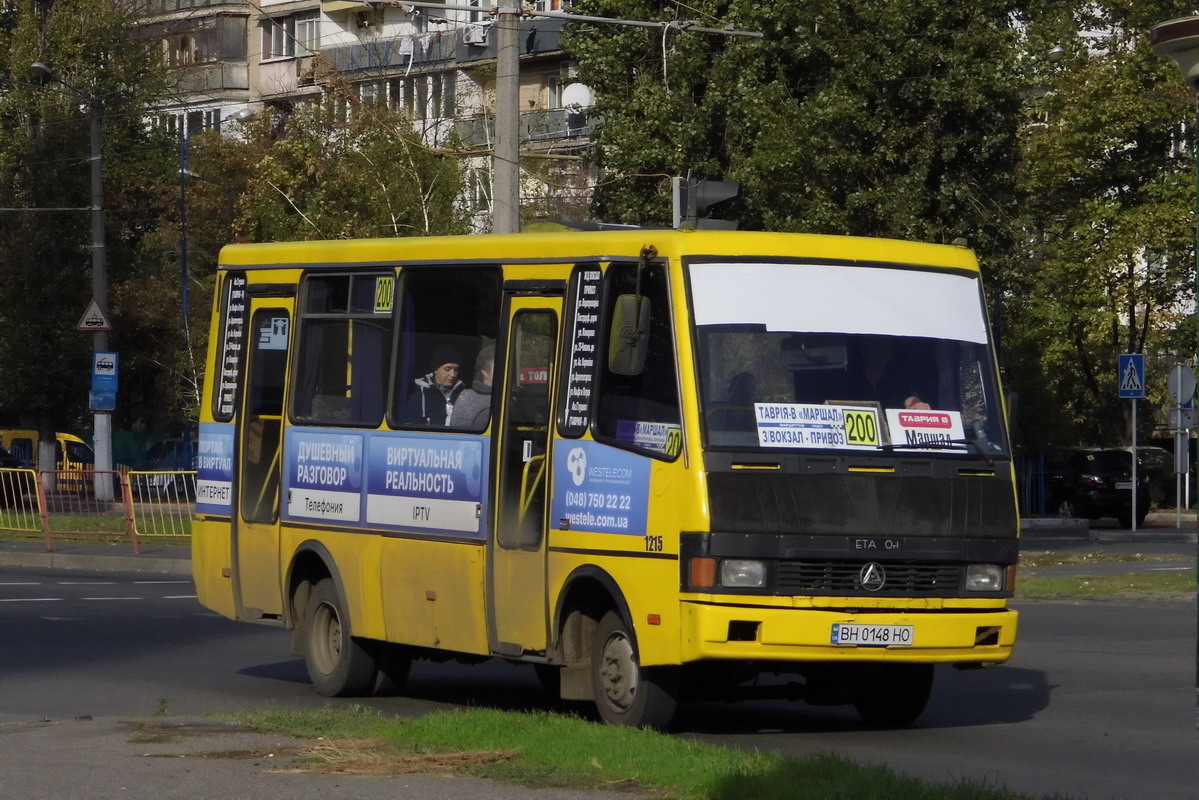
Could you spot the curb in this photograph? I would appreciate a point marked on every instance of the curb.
(167, 566)
(1110, 537)
(1054, 528)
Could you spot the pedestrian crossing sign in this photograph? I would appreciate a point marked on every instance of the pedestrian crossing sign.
(1131, 373)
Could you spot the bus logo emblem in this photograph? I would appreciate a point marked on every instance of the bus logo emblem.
(872, 577)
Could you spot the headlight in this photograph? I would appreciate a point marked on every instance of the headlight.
(743, 574)
(984, 578)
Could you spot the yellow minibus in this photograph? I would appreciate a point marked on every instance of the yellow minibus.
(691, 459)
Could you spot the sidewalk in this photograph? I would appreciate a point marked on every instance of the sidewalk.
(169, 758)
(1159, 526)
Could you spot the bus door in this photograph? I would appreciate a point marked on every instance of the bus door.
(259, 453)
(517, 545)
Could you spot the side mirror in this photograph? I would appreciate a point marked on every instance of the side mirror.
(628, 337)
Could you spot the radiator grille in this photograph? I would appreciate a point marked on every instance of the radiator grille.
(903, 579)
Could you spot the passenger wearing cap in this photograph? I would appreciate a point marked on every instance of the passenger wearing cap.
(436, 392)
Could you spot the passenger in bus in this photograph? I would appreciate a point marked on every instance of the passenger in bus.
(472, 409)
(437, 391)
(882, 374)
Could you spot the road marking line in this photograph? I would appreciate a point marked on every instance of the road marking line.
(157, 583)
(110, 598)
(87, 583)
(180, 597)
(29, 599)
(29, 583)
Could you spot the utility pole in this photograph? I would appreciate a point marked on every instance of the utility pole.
(102, 419)
(505, 158)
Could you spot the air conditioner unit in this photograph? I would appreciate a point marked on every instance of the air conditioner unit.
(476, 34)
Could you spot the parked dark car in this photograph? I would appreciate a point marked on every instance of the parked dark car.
(1095, 483)
(166, 461)
(1157, 463)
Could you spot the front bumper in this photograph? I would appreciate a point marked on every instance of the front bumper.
(719, 631)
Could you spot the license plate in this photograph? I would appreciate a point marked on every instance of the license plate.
(1124, 485)
(853, 635)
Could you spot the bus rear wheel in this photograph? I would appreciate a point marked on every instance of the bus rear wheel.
(894, 695)
(627, 693)
(339, 664)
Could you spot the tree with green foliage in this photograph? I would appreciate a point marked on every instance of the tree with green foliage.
(45, 255)
(366, 176)
(896, 119)
(1109, 264)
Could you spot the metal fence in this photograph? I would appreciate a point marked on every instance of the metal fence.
(1030, 479)
(163, 502)
(65, 503)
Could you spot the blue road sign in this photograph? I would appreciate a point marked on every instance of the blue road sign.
(1131, 374)
(103, 396)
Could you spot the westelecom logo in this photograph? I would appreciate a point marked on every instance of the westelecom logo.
(576, 462)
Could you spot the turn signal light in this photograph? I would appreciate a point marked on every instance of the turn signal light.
(702, 573)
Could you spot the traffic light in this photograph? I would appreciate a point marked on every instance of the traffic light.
(695, 200)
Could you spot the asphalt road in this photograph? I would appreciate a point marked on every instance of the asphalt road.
(1098, 702)
(84, 653)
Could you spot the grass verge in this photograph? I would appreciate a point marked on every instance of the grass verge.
(1056, 559)
(549, 750)
(1138, 585)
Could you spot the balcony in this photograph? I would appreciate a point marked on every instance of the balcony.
(469, 44)
(537, 36)
(150, 8)
(217, 76)
(280, 77)
(536, 127)
(384, 54)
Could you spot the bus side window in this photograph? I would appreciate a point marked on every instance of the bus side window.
(442, 312)
(345, 336)
(641, 411)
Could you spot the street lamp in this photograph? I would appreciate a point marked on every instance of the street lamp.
(102, 437)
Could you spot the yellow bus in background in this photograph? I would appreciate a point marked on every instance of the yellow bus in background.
(71, 453)
(703, 457)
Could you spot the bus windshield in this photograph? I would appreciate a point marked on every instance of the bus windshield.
(844, 357)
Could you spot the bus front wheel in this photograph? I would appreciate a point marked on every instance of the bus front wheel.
(627, 693)
(894, 695)
(339, 664)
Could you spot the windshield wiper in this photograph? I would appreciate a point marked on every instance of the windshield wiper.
(943, 444)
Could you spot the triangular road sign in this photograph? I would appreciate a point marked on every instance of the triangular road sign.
(94, 319)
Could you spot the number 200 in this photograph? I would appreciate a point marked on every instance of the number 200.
(861, 427)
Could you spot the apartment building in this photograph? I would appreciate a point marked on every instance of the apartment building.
(437, 65)
(205, 44)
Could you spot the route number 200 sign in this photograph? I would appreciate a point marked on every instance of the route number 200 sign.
(861, 427)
